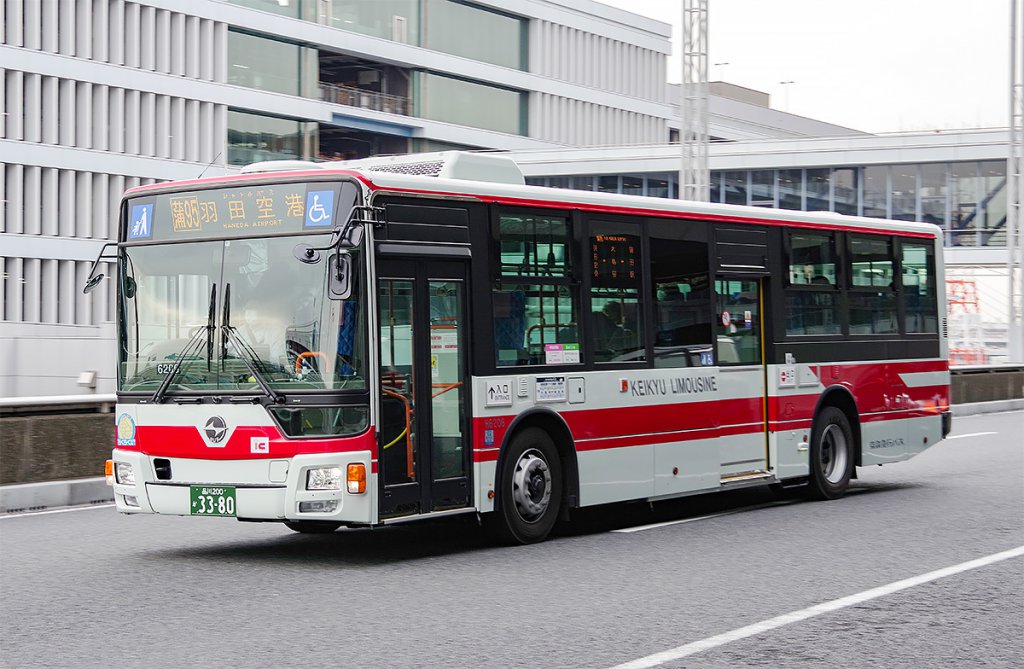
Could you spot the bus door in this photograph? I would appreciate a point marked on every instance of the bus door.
(743, 445)
(422, 426)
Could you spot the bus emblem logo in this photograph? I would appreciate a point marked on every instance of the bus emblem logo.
(216, 429)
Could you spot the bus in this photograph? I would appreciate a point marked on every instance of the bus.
(365, 343)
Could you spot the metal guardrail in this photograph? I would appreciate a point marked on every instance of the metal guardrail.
(357, 97)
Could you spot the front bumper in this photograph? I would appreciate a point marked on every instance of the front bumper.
(264, 489)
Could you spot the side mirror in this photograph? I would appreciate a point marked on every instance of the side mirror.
(353, 236)
(93, 281)
(341, 276)
(95, 275)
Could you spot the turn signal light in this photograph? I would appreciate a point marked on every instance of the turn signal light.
(357, 478)
(108, 472)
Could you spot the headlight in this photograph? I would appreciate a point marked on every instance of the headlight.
(123, 473)
(323, 478)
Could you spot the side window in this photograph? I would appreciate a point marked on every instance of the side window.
(872, 295)
(812, 295)
(536, 299)
(739, 327)
(920, 304)
(682, 294)
(615, 331)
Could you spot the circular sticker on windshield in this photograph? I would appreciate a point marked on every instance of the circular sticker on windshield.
(726, 318)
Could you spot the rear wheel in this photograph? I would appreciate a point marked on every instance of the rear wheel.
(831, 455)
(529, 489)
(311, 526)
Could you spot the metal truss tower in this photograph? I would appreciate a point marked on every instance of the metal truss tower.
(1015, 186)
(694, 178)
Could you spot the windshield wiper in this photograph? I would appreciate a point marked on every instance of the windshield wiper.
(246, 354)
(249, 357)
(193, 343)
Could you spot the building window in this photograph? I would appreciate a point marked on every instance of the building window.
(844, 191)
(904, 192)
(791, 189)
(396, 20)
(762, 188)
(876, 191)
(271, 65)
(253, 137)
(457, 28)
(934, 194)
(476, 105)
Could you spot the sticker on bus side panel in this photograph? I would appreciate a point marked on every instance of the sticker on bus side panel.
(125, 430)
(319, 208)
(141, 226)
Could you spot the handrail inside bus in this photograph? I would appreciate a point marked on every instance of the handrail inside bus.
(308, 354)
(445, 387)
(410, 467)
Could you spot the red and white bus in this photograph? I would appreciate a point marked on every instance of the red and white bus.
(361, 344)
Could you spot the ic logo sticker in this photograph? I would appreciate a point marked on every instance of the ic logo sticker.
(259, 444)
(216, 429)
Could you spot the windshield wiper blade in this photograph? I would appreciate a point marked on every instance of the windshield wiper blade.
(249, 358)
(190, 348)
(209, 326)
(158, 396)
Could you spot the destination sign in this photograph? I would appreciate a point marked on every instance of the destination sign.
(614, 261)
(239, 211)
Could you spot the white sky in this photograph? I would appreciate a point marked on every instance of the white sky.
(873, 65)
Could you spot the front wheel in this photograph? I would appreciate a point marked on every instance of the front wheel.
(311, 526)
(529, 489)
(831, 455)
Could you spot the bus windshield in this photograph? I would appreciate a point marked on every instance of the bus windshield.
(237, 315)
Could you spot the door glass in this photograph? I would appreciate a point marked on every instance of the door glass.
(446, 378)
(397, 402)
(739, 325)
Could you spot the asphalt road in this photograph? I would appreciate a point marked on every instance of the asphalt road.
(92, 588)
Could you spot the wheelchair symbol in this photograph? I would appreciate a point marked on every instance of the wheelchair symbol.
(318, 213)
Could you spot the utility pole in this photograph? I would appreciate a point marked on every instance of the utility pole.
(694, 179)
(1015, 187)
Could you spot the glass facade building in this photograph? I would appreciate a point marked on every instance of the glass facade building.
(966, 199)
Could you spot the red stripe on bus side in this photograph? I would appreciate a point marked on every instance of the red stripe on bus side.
(184, 441)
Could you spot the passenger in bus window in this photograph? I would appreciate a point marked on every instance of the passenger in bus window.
(608, 332)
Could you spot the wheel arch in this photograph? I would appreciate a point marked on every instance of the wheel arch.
(556, 427)
(841, 398)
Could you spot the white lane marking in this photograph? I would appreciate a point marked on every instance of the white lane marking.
(972, 434)
(654, 526)
(803, 614)
(43, 513)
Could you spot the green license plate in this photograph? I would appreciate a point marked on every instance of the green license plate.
(212, 500)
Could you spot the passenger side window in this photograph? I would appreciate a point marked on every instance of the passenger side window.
(812, 295)
(536, 299)
(872, 295)
(739, 327)
(616, 319)
(682, 294)
(918, 282)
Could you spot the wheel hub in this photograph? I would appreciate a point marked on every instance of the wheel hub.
(531, 485)
(833, 454)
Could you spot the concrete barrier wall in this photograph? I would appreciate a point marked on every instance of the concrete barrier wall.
(56, 446)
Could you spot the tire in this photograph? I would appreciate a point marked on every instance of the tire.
(311, 526)
(529, 489)
(832, 454)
